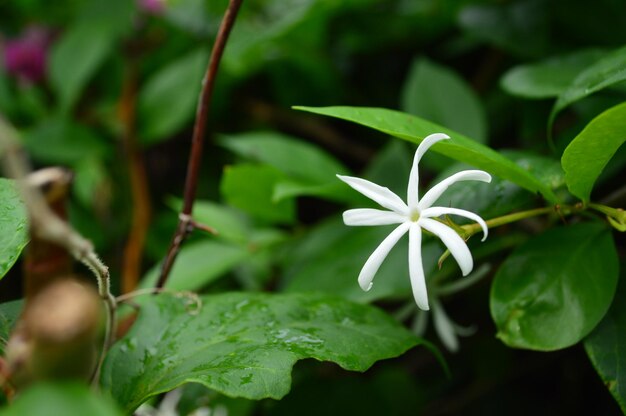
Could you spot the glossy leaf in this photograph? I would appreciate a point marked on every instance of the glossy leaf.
(251, 189)
(438, 94)
(60, 400)
(459, 147)
(244, 344)
(9, 313)
(13, 225)
(606, 72)
(169, 97)
(605, 347)
(548, 78)
(76, 57)
(555, 288)
(586, 156)
(199, 264)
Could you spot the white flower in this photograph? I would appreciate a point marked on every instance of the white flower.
(412, 217)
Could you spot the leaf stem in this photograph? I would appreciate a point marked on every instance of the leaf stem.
(185, 222)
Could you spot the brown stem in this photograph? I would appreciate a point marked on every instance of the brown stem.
(141, 210)
(185, 223)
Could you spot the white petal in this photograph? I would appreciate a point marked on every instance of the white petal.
(438, 211)
(416, 270)
(375, 260)
(369, 216)
(444, 327)
(451, 239)
(377, 193)
(412, 191)
(435, 192)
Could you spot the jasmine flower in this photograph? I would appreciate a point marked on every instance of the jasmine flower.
(412, 217)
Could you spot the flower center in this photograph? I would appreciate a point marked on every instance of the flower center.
(414, 215)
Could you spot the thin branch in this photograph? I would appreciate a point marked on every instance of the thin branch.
(185, 224)
(45, 224)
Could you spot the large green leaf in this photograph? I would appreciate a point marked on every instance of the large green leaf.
(459, 147)
(9, 312)
(587, 155)
(437, 93)
(606, 72)
(548, 78)
(13, 225)
(244, 344)
(555, 288)
(169, 98)
(605, 347)
(60, 400)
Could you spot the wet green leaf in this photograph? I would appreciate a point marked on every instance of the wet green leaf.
(438, 94)
(605, 347)
(555, 288)
(586, 156)
(548, 78)
(459, 147)
(244, 344)
(60, 400)
(13, 225)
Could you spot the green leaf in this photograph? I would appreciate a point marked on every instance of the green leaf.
(244, 344)
(13, 225)
(586, 156)
(459, 147)
(251, 189)
(548, 78)
(605, 347)
(169, 98)
(62, 141)
(606, 72)
(309, 170)
(295, 158)
(555, 288)
(9, 313)
(76, 57)
(438, 94)
(331, 256)
(199, 264)
(230, 224)
(60, 400)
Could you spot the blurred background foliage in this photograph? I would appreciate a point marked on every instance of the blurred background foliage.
(109, 89)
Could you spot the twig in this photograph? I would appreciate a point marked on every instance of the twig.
(46, 225)
(185, 224)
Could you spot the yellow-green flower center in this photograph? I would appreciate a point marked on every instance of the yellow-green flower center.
(415, 215)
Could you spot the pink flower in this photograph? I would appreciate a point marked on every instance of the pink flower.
(152, 6)
(25, 56)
